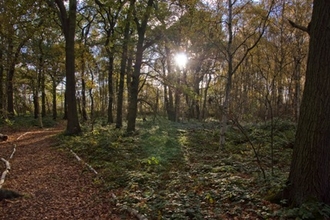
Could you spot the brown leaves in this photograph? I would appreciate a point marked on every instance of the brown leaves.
(52, 182)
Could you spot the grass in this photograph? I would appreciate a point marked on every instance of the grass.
(176, 171)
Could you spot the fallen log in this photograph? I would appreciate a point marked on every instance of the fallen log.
(7, 164)
(3, 177)
(86, 164)
(4, 173)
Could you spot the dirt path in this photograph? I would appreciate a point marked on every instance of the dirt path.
(54, 184)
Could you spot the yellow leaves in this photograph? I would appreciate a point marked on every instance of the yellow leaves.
(90, 84)
(209, 198)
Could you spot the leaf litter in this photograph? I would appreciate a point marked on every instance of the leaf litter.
(176, 171)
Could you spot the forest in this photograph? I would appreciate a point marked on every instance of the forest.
(182, 109)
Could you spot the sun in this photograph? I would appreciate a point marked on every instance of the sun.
(181, 60)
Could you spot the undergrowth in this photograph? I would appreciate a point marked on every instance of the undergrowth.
(26, 122)
(170, 170)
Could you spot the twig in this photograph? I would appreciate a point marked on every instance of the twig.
(240, 127)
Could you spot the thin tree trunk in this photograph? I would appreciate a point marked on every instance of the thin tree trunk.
(83, 106)
(1, 82)
(225, 107)
(123, 68)
(83, 97)
(90, 91)
(171, 113)
(43, 95)
(36, 103)
(54, 98)
(110, 87)
(177, 99)
(204, 111)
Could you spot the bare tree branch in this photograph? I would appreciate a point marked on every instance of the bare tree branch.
(300, 27)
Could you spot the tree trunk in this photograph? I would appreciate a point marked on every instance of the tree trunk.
(110, 86)
(310, 174)
(297, 77)
(169, 100)
(12, 60)
(9, 79)
(65, 107)
(204, 110)
(123, 67)
(54, 98)
(1, 83)
(83, 106)
(69, 28)
(225, 106)
(43, 95)
(10, 92)
(83, 97)
(134, 89)
(36, 104)
(92, 103)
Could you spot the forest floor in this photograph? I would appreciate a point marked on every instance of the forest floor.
(169, 170)
(53, 184)
(165, 170)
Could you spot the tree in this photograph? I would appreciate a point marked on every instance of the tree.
(68, 24)
(14, 35)
(310, 173)
(123, 67)
(236, 49)
(109, 14)
(141, 26)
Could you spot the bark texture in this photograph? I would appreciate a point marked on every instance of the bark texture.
(309, 177)
(68, 21)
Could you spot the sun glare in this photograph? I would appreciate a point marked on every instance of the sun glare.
(181, 60)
